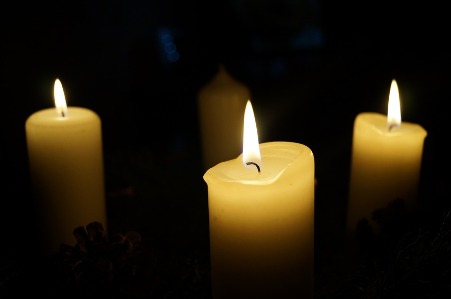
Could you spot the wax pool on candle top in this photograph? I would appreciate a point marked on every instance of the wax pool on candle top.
(261, 224)
(66, 170)
(385, 164)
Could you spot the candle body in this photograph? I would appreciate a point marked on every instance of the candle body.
(221, 105)
(385, 166)
(261, 225)
(66, 172)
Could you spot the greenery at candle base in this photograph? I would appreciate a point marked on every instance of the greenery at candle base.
(407, 256)
(98, 266)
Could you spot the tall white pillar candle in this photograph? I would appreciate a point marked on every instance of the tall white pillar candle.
(261, 215)
(66, 170)
(386, 162)
(221, 105)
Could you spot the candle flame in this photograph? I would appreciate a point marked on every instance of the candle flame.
(251, 147)
(60, 99)
(394, 107)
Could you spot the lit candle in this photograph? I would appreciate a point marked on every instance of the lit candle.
(221, 106)
(261, 214)
(386, 161)
(66, 169)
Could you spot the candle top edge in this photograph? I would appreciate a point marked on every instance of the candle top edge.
(49, 116)
(378, 122)
(278, 158)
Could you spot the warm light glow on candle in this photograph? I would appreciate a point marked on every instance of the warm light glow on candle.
(385, 163)
(261, 224)
(394, 107)
(60, 99)
(251, 147)
(66, 170)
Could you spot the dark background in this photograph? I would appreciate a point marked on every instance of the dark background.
(311, 66)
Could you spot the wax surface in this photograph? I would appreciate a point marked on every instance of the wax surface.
(221, 105)
(385, 166)
(261, 225)
(66, 170)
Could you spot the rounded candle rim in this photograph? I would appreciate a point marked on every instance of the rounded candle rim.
(277, 157)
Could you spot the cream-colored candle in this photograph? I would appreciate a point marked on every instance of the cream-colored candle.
(221, 105)
(261, 214)
(66, 170)
(386, 161)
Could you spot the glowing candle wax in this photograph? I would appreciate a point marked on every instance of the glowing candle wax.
(261, 214)
(386, 161)
(66, 169)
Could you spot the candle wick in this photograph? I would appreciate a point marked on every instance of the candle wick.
(256, 165)
(62, 113)
(390, 127)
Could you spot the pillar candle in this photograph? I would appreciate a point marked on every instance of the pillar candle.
(66, 170)
(221, 104)
(386, 161)
(261, 222)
